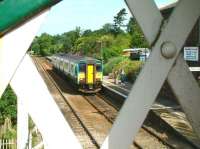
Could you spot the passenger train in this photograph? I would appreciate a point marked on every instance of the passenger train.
(85, 73)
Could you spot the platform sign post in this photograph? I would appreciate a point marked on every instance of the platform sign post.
(191, 53)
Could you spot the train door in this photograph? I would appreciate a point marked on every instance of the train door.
(82, 72)
(90, 74)
(99, 72)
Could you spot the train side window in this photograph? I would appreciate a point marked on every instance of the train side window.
(76, 71)
(71, 68)
(61, 64)
(82, 67)
(98, 67)
(66, 66)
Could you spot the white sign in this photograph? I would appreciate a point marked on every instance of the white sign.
(194, 68)
(191, 53)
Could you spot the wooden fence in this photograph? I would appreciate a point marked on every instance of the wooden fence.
(8, 144)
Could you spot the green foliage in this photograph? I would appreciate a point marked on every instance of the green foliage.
(117, 64)
(108, 67)
(47, 45)
(137, 37)
(108, 28)
(122, 41)
(119, 21)
(86, 45)
(70, 38)
(131, 26)
(104, 43)
(131, 68)
(8, 106)
(10, 134)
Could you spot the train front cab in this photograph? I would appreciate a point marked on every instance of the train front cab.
(90, 77)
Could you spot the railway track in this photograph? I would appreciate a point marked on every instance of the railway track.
(78, 115)
(109, 111)
(168, 112)
(85, 114)
(71, 116)
(166, 133)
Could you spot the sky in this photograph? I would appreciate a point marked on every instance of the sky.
(87, 14)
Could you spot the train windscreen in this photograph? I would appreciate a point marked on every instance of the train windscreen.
(82, 67)
(98, 68)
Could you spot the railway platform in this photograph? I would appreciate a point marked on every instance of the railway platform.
(169, 110)
(125, 87)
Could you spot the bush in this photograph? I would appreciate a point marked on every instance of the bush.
(117, 64)
(131, 68)
(7, 131)
(10, 134)
(108, 67)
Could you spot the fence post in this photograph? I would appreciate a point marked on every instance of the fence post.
(6, 143)
(30, 140)
(3, 143)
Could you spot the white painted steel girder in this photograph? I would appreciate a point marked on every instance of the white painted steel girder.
(22, 125)
(13, 47)
(187, 91)
(190, 110)
(33, 92)
(156, 69)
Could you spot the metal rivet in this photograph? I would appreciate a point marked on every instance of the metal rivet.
(168, 50)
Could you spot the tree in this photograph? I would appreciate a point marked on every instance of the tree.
(8, 106)
(131, 25)
(86, 45)
(122, 41)
(137, 37)
(87, 32)
(108, 28)
(119, 21)
(45, 43)
(70, 38)
(57, 44)
(35, 47)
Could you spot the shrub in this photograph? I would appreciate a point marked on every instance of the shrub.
(108, 67)
(131, 68)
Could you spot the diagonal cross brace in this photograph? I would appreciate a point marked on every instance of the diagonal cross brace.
(187, 91)
(29, 87)
(188, 103)
(10, 58)
(156, 69)
(33, 92)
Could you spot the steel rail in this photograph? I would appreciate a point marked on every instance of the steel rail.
(118, 107)
(143, 127)
(70, 106)
(110, 120)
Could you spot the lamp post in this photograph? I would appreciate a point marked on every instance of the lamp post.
(101, 49)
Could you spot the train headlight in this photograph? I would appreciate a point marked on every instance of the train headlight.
(81, 77)
(99, 76)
